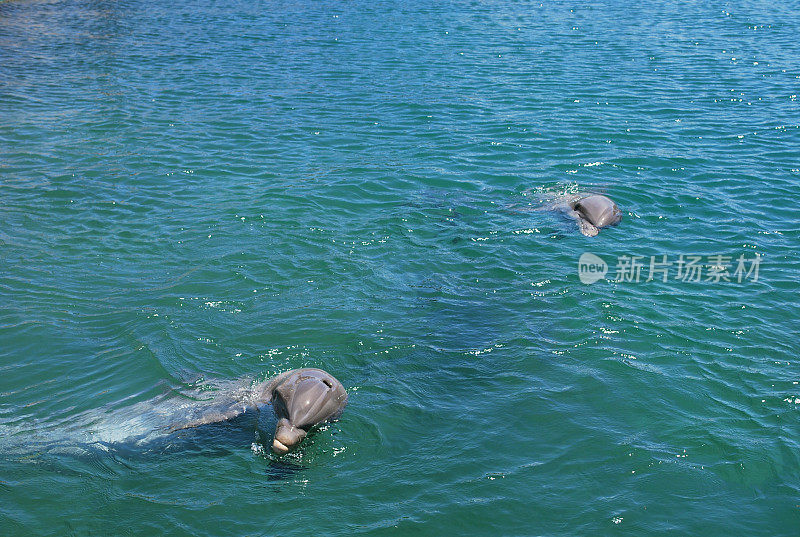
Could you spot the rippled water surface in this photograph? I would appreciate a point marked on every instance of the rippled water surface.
(204, 190)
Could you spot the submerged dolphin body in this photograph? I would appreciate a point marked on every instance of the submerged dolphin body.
(595, 212)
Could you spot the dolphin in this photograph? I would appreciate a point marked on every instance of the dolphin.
(301, 399)
(594, 212)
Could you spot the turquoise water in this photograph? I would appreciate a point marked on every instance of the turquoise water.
(203, 190)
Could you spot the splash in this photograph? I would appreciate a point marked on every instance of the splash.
(558, 197)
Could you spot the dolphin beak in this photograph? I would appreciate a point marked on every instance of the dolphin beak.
(287, 436)
(279, 448)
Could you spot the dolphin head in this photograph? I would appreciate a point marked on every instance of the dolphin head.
(598, 210)
(305, 398)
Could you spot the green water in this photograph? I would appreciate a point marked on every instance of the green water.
(221, 190)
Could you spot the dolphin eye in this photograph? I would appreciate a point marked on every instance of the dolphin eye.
(327, 383)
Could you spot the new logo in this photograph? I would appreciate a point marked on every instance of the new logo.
(591, 268)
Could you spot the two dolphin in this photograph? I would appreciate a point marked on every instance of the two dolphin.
(303, 398)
